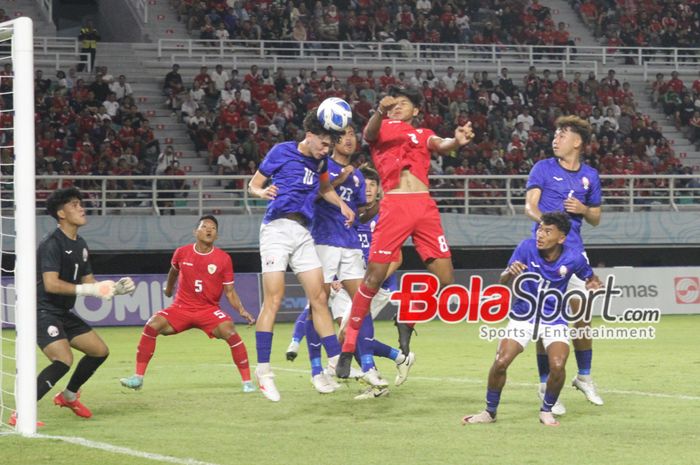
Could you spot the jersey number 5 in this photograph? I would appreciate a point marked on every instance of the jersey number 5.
(197, 285)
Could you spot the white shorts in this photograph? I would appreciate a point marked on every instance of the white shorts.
(344, 304)
(285, 242)
(340, 263)
(522, 331)
(576, 283)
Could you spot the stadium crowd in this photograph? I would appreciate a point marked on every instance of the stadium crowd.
(234, 117)
(425, 21)
(642, 23)
(85, 127)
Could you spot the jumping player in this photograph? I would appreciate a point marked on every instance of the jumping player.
(295, 171)
(564, 183)
(555, 263)
(203, 272)
(401, 154)
(64, 272)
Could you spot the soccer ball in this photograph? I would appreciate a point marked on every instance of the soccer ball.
(334, 114)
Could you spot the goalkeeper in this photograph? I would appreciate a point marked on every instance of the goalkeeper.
(64, 272)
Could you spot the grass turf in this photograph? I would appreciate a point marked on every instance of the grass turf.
(192, 407)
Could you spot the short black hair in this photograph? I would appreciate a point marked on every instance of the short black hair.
(410, 93)
(208, 217)
(370, 174)
(314, 126)
(59, 198)
(559, 219)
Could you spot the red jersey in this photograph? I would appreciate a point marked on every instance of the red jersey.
(399, 145)
(202, 277)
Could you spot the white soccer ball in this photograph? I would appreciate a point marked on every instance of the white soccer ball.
(334, 114)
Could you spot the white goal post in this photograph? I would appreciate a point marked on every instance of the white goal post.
(21, 37)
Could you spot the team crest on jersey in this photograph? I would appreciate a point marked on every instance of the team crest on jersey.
(356, 180)
(85, 254)
(211, 268)
(52, 331)
(586, 183)
(372, 225)
(563, 270)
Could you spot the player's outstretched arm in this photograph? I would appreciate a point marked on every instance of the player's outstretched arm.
(255, 187)
(593, 283)
(235, 301)
(170, 282)
(374, 124)
(89, 287)
(463, 136)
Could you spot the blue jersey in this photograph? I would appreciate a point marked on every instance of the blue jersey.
(553, 275)
(295, 176)
(364, 233)
(328, 225)
(557, 184)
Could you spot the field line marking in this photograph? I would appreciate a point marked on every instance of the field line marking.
(532, 385)
(123, 450)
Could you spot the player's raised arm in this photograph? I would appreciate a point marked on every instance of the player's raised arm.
(235, 301)
(371, 132)
(255, 187)
(532, 200)
(170, 282)
(463, 135)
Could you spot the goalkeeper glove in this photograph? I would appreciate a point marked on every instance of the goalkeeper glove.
(101, 289)
(124, 286)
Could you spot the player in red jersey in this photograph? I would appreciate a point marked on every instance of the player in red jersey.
(205, 272)
(401, 154)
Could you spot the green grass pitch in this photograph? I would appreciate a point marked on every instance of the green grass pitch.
(191, 407)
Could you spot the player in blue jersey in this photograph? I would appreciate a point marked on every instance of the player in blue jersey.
(564, 183)
(293, 170)
(551, 264)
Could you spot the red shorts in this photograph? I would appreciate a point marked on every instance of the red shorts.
(403, 215)
(206, 319)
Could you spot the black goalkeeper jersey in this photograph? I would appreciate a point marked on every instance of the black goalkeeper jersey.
(70, 258)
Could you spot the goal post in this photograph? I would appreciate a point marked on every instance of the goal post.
(22, 56)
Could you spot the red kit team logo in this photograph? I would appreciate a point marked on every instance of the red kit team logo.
(687, 290)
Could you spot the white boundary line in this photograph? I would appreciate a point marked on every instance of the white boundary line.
(529, 385)
(122, 450)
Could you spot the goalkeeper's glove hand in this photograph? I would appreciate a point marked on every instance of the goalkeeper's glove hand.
(101, 289)
(124, 286)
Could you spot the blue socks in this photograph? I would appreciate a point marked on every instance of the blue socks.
(263, 345)
(365, 343)
(583, 360)
(493, 398)
(548, 401)
(300, 325)
(543, 367)
(382, 350)
(313, 342)
(331, 344)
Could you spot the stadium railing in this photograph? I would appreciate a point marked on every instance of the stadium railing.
(483, 194)
(588, 58)
(58, 53)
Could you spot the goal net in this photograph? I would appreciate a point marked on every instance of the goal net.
(17, 228)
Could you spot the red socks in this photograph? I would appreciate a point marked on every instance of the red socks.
(146, 347)
(360, 308)
(240, 356)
